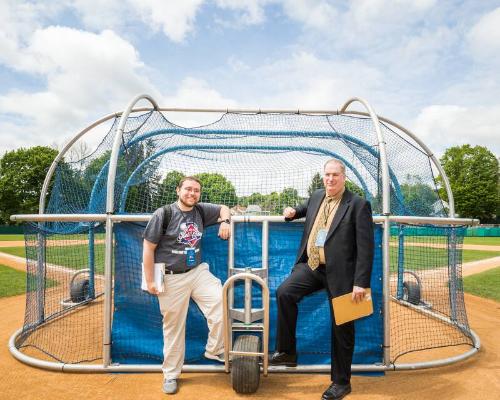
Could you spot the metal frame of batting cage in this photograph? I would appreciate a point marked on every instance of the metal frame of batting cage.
(110, 219)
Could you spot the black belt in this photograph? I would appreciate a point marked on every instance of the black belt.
(170, 272)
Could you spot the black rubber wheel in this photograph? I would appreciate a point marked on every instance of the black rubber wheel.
(245, 370)
(411, 292)
(79, 290)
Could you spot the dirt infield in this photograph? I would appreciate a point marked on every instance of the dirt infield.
(476, 378)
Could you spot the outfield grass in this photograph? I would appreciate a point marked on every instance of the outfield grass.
(4, 238)
(12, 282)
(486, 241)
(485, 284)
(423, 258)
(416, 258)
(75, 257)
(82, 236)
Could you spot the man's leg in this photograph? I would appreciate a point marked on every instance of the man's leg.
(207, 293)
(342, 348)
(301, 282)
(174, 303)
(342, 351)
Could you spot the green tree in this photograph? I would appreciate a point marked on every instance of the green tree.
(419, 198)
(166, 192)
(352, 187)
(22, 173)
(473, 175)
(316, 183)
(217, 189)
(254, 198)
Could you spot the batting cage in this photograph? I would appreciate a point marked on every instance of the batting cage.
(85, 309)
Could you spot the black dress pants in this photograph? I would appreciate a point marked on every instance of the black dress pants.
(302, 282)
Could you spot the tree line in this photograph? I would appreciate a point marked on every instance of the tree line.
(473, 173)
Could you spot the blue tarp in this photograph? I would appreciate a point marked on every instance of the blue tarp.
(137, 333)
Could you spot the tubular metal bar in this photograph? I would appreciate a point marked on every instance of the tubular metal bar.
(248, 298)
(386, 289)
(108, 287)
(87, 368)
(265, 245)
(451, 201)
(117, 142)
(236, 218)
(227, 325)
(110, 208)
(386, 211)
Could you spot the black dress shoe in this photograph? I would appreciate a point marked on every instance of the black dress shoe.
(285, 359)
(336, 392)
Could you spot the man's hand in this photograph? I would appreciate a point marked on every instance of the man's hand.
(289, 212)
(224, 230)
(358, 294)
(152, 288)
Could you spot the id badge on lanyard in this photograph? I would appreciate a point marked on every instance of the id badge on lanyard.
(321, 238)
(190, 257)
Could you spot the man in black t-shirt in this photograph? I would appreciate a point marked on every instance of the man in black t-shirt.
(176, 248)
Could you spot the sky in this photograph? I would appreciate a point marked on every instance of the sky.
(431, 66)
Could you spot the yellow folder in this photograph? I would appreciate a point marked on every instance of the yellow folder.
(346, 310)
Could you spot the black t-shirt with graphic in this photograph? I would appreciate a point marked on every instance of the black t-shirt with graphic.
(184, 231)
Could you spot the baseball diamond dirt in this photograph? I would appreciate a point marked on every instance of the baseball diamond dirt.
(475, 378)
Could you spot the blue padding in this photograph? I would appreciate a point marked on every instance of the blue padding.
(137, 334)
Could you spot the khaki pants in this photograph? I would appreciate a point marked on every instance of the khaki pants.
(206, 291)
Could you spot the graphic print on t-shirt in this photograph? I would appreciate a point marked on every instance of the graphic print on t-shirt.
(189, 234)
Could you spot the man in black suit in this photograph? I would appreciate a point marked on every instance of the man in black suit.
(336, 254)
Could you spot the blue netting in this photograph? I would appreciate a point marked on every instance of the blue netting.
(137, 333)
(250, 151)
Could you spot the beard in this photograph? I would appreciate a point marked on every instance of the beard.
(188, 205)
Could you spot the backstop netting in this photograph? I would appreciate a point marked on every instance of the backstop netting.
(256, 164)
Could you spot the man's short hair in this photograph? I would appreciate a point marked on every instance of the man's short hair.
(188, 178)
(335, 160)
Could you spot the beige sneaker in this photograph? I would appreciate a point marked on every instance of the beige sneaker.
(218, 357)
(169, 386)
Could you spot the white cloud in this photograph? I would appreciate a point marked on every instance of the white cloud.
(443, 126)
(359, 24)
(195, 93)
(305, 81)
(315, 14)
(251, 12)
(17, 21)
(484, 37)
(175, 19)
(85, 74)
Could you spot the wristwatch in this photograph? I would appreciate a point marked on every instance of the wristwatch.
(227, 221)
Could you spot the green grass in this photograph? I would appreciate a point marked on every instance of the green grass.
(487, 241)
(485, 284)
(75, 257)
(12, 282)
(422, 258)
(4, 238)
(14, 251)
(83, 236)
(474, 255)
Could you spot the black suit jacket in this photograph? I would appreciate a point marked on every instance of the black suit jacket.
(349, 243)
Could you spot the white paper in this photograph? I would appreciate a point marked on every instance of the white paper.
(159, 270)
